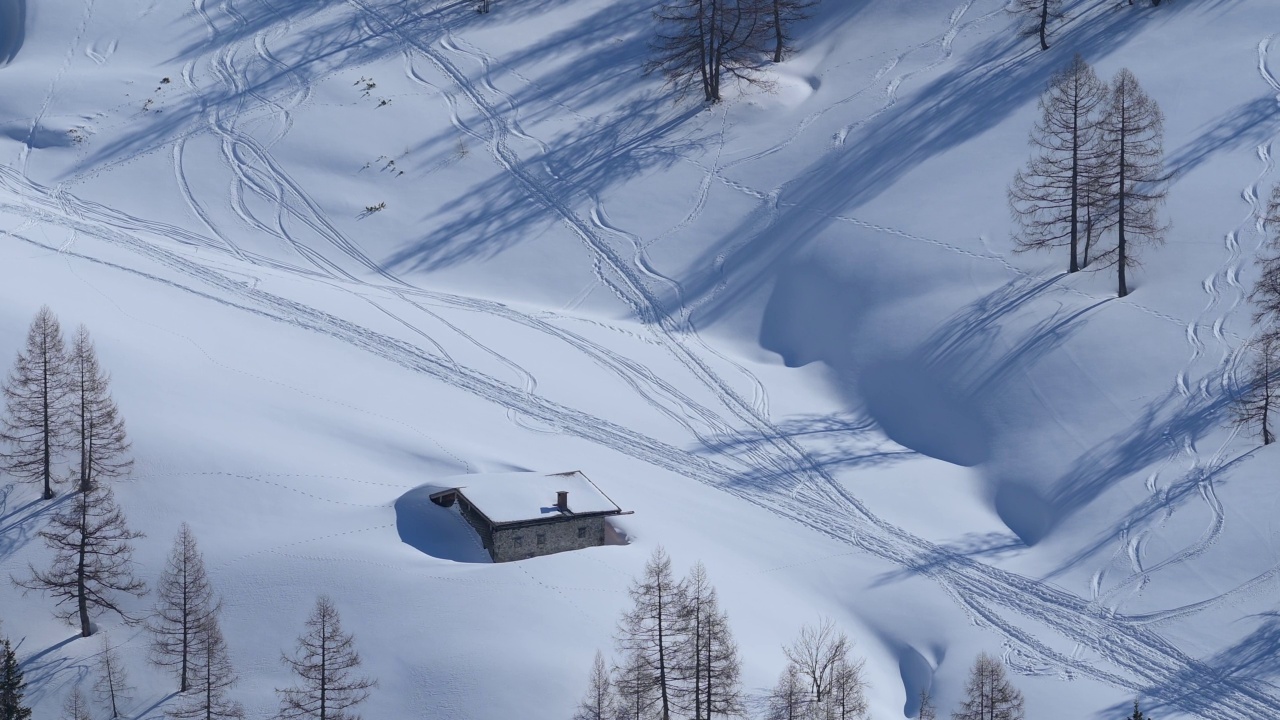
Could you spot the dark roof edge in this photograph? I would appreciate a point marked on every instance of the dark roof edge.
(555, 518)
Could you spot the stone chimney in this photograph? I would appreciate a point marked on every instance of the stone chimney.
(562, 500)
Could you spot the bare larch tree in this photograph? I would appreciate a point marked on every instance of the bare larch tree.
(36, 397)
(927, 711)
(325, 662)
(782, 15)
(93, 559)
(1265, 295)
(709, 666)
(1046, 197)
(635, 689)
(599, 701)
(817, 654)
(1253, 405)
(76, 706)
(212, 675)
(1133, 138)
(653, 630)
(184, 603)
(700, 42)
(1040, 12)
(988, 694)
(789, 699)
(848, 698)
(98, 433)
(112, 684)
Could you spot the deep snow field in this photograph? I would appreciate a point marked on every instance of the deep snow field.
(788, 331)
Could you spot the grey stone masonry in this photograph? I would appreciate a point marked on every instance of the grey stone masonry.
(520, 541)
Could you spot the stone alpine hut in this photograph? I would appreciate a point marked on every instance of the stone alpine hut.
(524, 514)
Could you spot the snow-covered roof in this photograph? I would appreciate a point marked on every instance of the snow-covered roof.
(522, 496)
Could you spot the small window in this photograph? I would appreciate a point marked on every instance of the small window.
(542, 538)
(519, 540)
(582, 531)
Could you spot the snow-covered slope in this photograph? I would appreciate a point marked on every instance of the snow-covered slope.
(787, 331)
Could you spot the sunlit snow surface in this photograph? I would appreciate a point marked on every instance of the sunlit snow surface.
(788, 331)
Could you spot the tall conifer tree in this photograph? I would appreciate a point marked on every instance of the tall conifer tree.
(12, 685)
(184, 603)
(98, 434)
(36, 395)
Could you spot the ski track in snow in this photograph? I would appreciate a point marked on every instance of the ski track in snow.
(810, 496)
(1142, 658)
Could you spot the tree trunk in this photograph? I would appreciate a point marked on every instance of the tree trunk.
(82, 600)
(1123, 289)
(1075, 174)
(44, 400)
(186, 631)
(662, 660)
(1088, 233)
(84, 430)
(1044, 22)
(1267, 438)
(777, 30)
(324, 670)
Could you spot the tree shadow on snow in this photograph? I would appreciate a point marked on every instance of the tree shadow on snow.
(1250, 667)
(19, 526)
(831, 443)
(1246, 125)
(991, 82)
(547, 187)
(47, 671)
(638, 132)
(1148, 440)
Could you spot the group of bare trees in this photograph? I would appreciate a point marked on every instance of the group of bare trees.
(821, 680)
(676, 653)
(186, 635)
(701, 42)
(1097, 172)
(186, 638)
(677, 659)
(59, 404)
(59, 408)
(1258, 394)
